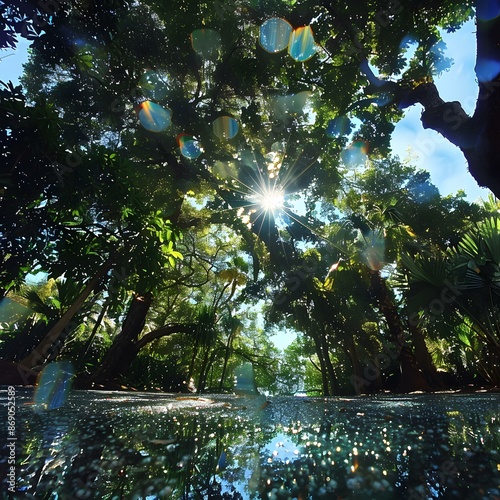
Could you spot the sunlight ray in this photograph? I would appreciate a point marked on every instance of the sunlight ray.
(289, 177)
(290, 214)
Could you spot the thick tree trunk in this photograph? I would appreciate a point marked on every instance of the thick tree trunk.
(121, 354)
(131, 349)
(476, 136)
(55, 336)
(484, 159)
(411, 377)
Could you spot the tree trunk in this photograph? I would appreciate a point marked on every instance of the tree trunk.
(322, 364)
(203, 369)
(411, 377)
(476, 136)
(55, 336)
(208, 362)
(388, 308)
(98, 322)
(484, 161)
(196, 345)
(227, 353)
(350, 349)
(423, 357)
(132, 349)
(122, 353)
(164, 331)
(332, 378)
(328, 377)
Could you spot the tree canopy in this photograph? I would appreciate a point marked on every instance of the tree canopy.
(184, 163)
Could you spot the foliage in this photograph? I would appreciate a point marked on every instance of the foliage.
(287, 213)
(464, 285)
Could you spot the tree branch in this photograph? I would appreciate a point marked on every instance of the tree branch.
(164, 331)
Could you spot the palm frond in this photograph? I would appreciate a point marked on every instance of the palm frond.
(469, 245)
(426, 269)
(490, 233)
(38, 304)
(67, 291)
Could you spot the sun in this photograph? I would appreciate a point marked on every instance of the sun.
(269, 199)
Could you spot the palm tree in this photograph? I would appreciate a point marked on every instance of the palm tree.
(471, 271)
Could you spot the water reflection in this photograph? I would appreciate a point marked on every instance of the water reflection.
(129, 445)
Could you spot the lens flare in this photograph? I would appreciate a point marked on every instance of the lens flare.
(356, 154)
(302, 45)
(206, 43)
(293, 104)
(225, 127)
(275, 35)
(487, 10)
(225, 170)
(189, 146)
(374, 250)
(245, 380)
(154, 85)
(153, 117)
(337, 127)
(487, 70)
(54, 385)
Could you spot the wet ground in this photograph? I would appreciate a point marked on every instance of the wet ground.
(114, 445)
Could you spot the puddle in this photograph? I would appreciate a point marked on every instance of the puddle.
(113, 445)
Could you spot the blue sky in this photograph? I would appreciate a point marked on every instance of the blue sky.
(11, 61)
(444, 161)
